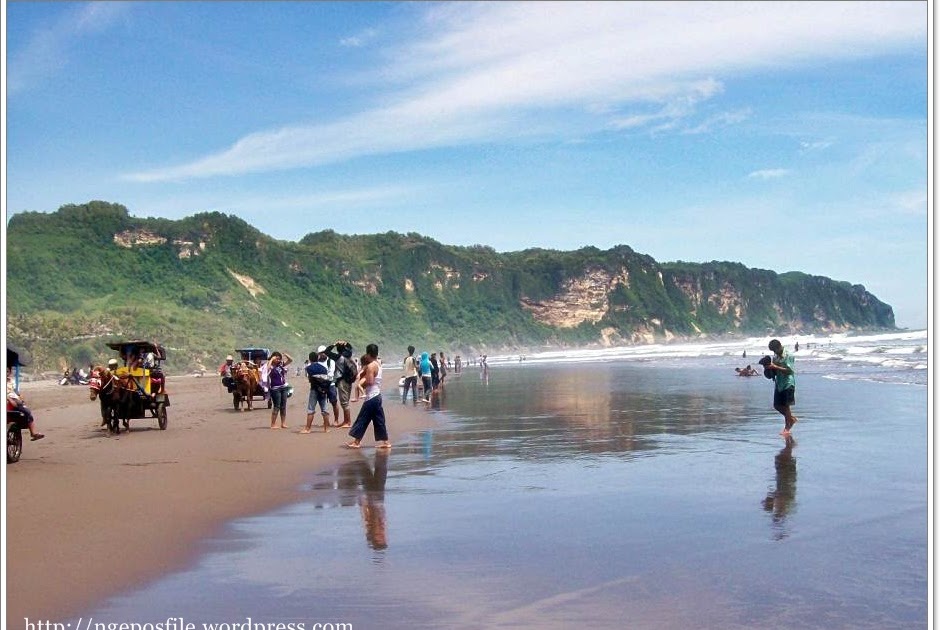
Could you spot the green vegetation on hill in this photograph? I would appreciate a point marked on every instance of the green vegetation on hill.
(209, 283)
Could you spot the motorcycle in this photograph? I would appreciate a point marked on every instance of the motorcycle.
(73, 378)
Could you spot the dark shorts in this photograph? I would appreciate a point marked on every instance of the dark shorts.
(785, 398)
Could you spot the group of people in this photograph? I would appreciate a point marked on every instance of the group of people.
(430, 369)
(334, 375)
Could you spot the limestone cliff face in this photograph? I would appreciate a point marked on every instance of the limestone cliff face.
(727, 299)
(130, 239)
(581, 299)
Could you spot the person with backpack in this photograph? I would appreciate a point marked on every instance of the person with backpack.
(346, 377)
(410, 367)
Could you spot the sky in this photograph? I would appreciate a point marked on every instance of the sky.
(785, 136)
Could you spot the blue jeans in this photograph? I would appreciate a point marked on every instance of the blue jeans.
(279, 400)
(371, 411)
(410, 382)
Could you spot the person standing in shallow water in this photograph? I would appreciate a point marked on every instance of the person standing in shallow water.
(371, 410)
(410, 369)
(424, 369)
(784, 384)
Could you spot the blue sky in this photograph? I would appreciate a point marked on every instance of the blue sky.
(783, 136)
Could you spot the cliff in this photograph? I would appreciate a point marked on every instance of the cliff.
(208, 283)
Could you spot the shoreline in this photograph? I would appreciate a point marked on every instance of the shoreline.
(89, 515)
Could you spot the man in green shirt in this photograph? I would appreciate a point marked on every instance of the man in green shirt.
(784, 384)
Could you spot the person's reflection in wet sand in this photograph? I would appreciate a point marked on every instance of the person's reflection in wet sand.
(779, 501)
(372, 499)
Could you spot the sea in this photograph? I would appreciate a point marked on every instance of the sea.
(638, 487)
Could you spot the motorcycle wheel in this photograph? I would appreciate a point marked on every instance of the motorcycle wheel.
(14, 443)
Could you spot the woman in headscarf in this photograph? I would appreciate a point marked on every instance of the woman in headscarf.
(424, 368)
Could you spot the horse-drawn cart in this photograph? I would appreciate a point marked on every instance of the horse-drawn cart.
(142, 384)
(246, 378)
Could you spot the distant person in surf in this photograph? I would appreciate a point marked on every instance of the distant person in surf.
(784, 384)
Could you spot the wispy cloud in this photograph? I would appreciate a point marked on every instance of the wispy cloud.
(912, 202)
(48, 50)
(359, 39)
(818, 145)
(490, 71)
(769, 173)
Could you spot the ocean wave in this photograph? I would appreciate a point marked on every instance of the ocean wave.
(888, 352)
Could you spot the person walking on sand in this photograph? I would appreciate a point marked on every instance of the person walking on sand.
(276, 376)
(784, 384)
(371, 410)
(410, 368)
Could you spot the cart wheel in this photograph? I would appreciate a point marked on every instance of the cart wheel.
(14, 443)
(161, 416)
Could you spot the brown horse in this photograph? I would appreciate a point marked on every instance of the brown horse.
(116, 395)
(246, 382)
(101, 386)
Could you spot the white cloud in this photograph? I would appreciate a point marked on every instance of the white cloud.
(48, 50)
(769, 173)
(484, 70)
(818, 145)
(723, 119)
(359, 39)
(912, 202)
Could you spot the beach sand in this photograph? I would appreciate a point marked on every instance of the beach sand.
(89, 515)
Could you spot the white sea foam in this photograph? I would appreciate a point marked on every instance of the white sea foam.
(858, 356)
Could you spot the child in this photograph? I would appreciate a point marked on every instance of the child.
(15, 403)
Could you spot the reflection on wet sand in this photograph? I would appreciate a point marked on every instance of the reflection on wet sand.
(779, 501)
(362, 484)
(372, 501)
(591, 410)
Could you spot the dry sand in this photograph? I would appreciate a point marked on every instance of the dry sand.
(89, 514)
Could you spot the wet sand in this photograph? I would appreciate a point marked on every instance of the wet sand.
(90, 515)
(559, 497)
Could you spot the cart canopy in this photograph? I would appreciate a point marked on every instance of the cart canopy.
(139, 348)
(255, 355)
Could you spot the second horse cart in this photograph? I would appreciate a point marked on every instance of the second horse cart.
(143, 383)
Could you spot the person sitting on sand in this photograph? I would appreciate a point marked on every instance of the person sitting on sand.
(16, 403)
